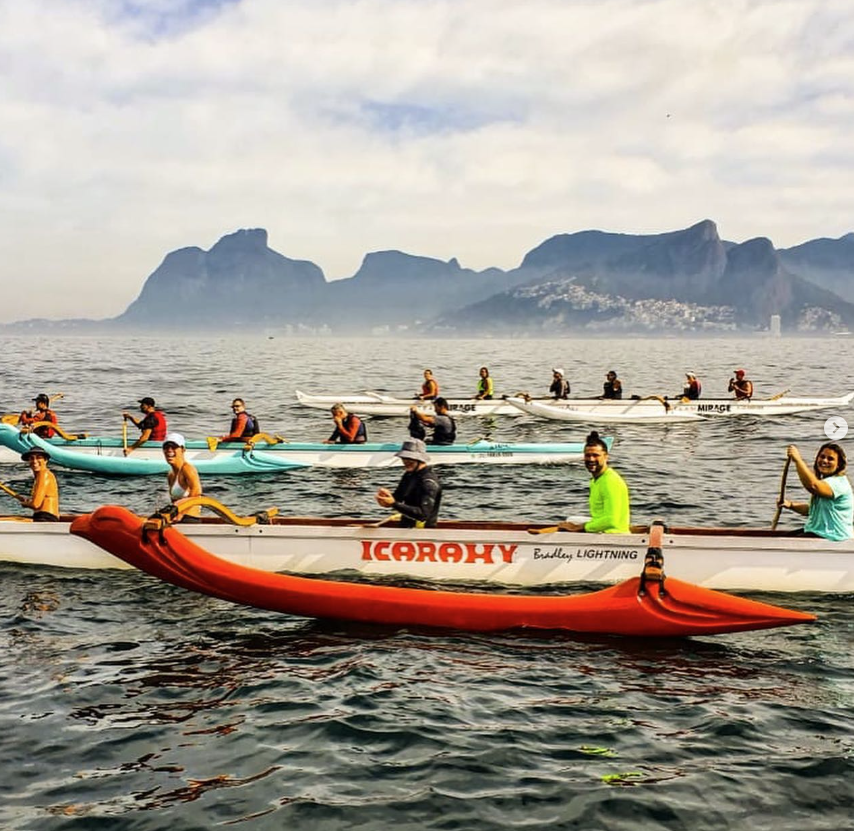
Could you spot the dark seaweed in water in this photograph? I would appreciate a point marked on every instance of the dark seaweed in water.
(131, 704)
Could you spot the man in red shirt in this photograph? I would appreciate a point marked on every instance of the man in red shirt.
(152, 426)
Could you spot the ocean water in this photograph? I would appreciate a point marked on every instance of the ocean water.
(130, 704)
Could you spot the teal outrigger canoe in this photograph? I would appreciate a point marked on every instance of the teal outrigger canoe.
(105, 455)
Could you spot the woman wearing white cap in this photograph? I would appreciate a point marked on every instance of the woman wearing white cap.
(183, 478)
(419, 492)
(560, 386)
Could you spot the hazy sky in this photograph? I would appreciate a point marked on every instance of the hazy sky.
(447, 128)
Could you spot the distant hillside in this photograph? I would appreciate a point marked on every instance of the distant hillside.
(828, 263)
(396, 289)
(240, 281)
(688, 280)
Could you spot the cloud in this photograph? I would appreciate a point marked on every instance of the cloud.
(447, 128)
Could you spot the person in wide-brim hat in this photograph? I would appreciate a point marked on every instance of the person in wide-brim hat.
(418, 495)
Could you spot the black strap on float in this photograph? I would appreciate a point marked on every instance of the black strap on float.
(653, 564)
(159, 520)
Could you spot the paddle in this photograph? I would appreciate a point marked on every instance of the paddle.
(173, 512)
(264, 437)
(779, 395)
(60, 432)
(552, 529)
(390, 518)
(660, 399)
(14, 494)
(125, 435)
(782, 497)
(13, 418)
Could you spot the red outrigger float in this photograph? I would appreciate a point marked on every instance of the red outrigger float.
(645, 606)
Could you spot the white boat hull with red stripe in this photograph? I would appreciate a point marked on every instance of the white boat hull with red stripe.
(490, 552)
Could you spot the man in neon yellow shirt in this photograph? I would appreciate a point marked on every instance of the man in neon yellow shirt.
(609, 494)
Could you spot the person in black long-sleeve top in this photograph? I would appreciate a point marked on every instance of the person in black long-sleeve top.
(419, 492)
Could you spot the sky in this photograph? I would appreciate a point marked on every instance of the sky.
(473, 129)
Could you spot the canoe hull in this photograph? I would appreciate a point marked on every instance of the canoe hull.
(381, 405)
(104, 455)
(626, 415)
(682, 610)
(504, 553)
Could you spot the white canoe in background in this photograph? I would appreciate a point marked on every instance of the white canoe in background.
(628, 415)
(375, 404)
(754, 560)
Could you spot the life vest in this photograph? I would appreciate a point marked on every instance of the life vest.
(610, 392)
(430, 389)
(485, 387)
(250, 428)
(158, 432)
(442, 434)
(46, 432)
(361, 433)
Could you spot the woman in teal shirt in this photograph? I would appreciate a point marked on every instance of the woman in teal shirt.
(830, 511)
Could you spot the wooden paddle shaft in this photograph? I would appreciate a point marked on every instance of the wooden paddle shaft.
(782, 495)
(8, 490)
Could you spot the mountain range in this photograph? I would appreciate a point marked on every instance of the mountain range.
(688, 280)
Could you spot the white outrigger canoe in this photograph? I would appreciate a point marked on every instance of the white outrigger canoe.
(376, 404)
(106, 456)
(622, 415)
(512, 553)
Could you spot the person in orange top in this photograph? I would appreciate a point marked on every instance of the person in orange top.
(430, 387)
(41, 413)
(243, 426)
(44, 498)
(349, 428)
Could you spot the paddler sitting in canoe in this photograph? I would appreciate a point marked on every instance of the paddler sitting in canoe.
(693, 388)
(613, 387)
(349, 428)
(419, 492)
(243, 425)
(560, 386)
(830, 511)
(609, 494)
(741, 386)
(430, 387)
(182, 477)
(485, 386)
(444, 427)
(152, 426)
(44, 498)
(41, 413)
